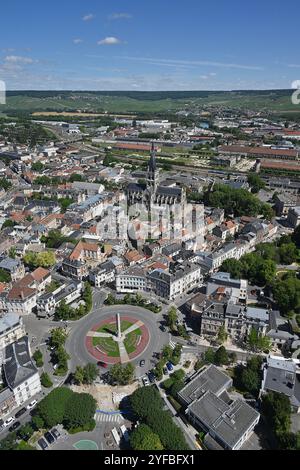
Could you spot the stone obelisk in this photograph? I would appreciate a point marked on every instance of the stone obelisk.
(119, 331)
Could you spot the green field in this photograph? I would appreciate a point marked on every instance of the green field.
(278, 101)
(131, 340)
(108, 345)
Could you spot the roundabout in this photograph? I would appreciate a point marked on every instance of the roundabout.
(95, 338)
(119, 339)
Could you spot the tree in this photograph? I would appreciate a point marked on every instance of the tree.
(44, 259)
(78, 375)
(52, 408)
(256, 183)
(250, 380)
(172, 318)
(233, 267)
(79, 410)
(9, 442)
(8, 224)
(209, 356)
(58, 337)
(277, 409)
(176, 387)
(145, 401)
(176, 355)
(25, 432)
(46, 381)
(37, 166)
(222, 335)
(90, 373)
(122, 375)
(221, 356)
(38, 357)
(5, 276)
(288, 253)
(167, 353)
(143, 438)
(286, 293)
(198, 365)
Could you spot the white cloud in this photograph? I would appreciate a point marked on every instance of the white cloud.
(77, 41)
(16, 59)
(294, 66)
(88, 17)
(120, 16)
(109, 41)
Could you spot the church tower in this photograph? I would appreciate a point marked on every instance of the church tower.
(152, 173)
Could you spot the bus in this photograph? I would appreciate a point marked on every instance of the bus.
(116, 436)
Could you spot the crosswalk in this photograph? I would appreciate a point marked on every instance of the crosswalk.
(107, 418)
(172, 344)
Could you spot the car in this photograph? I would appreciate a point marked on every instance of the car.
(151, 377)
(55, 433)
(15, 426)
(42, 443)
(20, 413)
(102, 364)
(49, 438)
(165, 370)
(9, 421)
(142, 363)
(170, 366)
(162, 328)
(31, 405)
(145, 381)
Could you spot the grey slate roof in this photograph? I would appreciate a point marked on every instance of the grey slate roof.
(210, 379)
(8, 321)
(227, 422)
(18, 366)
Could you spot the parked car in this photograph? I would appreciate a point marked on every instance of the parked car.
(55, 433)
(31, 405)
(42, 443)
(15, 426)
(9, 421)
(20, 413)
(145, 381)
(49, 438)
(162, 328)
(142, 363)
(102, 364)
(170, 366)
(151, 377)
(165, 371)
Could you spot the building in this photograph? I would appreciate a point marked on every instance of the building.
(260, 152)
(47, 303)
(293, 217)
(157, 200)
(284, 202)
(104, 274)
(283, 376)
(228, 423)
(14, 267)
(238, 288)
(21, 375)
(180, 278)
(11, 330)
(132, 280)
(75, 269)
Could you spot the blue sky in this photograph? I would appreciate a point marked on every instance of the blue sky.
(149, 44)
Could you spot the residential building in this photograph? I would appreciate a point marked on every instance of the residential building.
(11, 330)
(68, 291)
(282, 375)
(14, 267)
(293, 217)
(104, 274)
(21, 375)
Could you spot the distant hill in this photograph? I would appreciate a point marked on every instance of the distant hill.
(145, 102)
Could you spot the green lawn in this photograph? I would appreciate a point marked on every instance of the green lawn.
(112, 327)
(131, 340)
(108, 345)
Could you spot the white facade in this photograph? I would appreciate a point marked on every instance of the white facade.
(27, 389)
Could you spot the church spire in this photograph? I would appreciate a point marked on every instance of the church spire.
(152, 168)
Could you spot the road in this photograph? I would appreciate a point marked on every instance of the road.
(189, 435)
(75, 344)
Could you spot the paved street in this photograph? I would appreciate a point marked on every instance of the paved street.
(76, 341)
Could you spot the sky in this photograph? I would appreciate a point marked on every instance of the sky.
(147, 45)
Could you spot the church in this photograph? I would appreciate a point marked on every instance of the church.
(160, 207)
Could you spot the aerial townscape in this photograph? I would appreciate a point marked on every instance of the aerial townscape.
(149, 261)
